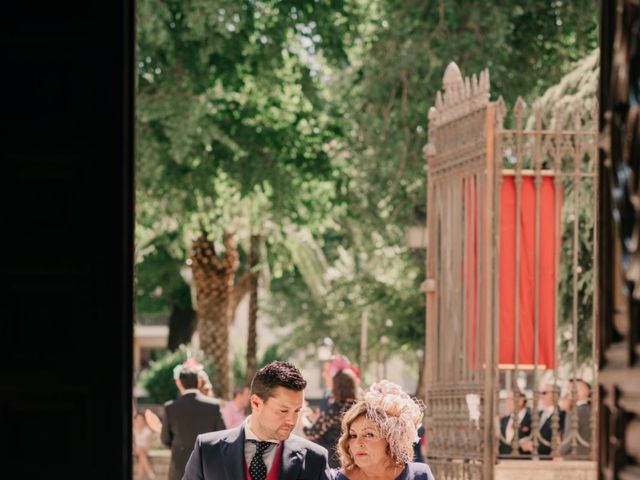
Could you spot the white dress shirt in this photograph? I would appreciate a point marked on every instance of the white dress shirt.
(545, 413)
(509, 431)
(250, 448)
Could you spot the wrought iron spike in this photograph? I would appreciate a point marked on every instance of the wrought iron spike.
(467, 87)
(558, 115)
(537, 113)
(501, 108)
(518, 112)
(452, 76)
(577, 116)
(432, 114)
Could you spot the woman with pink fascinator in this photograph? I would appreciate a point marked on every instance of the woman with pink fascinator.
(378, 434)
(330, 369)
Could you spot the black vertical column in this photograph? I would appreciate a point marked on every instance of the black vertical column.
(619, 252)
(66, 239)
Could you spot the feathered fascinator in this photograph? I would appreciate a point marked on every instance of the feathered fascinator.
(340, 362)
(190, 364)
(397, 415)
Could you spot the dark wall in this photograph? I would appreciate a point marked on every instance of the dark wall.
(66, 216)
(618, 332)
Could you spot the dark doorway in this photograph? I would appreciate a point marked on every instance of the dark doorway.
(66, 207)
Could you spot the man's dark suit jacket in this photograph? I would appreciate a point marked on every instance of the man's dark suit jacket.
(185, 419)
(220, 456)
(524, 430)
(545, 432)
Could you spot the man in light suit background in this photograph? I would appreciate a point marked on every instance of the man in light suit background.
(262, 448)
(188, 416)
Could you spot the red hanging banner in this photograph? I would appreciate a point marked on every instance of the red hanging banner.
(527, 262)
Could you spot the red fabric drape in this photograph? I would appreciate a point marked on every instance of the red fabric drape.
(508, 259)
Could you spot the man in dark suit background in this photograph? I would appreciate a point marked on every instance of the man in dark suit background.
(262, 448)
(187, 417)
(518, 415)
(547, 411)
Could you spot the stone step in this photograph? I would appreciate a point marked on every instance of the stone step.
(545, 470)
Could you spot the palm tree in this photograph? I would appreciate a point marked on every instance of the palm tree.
(217, 295)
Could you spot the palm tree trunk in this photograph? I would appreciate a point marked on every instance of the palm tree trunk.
(252, 334)
(214, 280)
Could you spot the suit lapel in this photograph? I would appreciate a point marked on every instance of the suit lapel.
(232, 452)
(291, 460)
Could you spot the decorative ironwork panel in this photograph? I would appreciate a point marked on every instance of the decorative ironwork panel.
(458, 264)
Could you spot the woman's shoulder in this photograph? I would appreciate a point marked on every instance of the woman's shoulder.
(413, 471)
(418, 471)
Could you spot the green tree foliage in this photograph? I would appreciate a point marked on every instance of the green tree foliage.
(159, 283)
(231, 114)
(227, 87)
(229, 108)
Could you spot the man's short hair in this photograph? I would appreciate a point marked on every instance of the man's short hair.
(277, 374)
(189, 377)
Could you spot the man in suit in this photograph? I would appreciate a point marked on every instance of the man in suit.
(191, 414)
(263, 448)
(518, 415)
(546, 414)
(583, 411)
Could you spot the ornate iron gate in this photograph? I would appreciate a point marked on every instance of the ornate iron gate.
(459, 278)
(530, 287)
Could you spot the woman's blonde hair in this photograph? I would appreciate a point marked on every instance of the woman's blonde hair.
(396, 415)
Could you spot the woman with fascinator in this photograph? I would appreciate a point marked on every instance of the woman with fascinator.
(378, 434)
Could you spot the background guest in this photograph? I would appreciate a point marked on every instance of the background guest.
(545, 431)
(188, 416)
(519, 414)
(234, 410)
(325, 430)
(142, 436)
